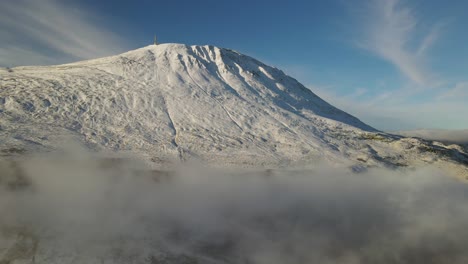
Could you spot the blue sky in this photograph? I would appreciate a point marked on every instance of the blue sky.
(395, 64)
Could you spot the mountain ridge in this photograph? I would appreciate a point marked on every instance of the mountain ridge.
(174, 101)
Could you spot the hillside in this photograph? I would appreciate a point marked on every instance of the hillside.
(172, 102)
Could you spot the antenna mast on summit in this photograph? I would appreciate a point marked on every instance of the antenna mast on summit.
(155, 41)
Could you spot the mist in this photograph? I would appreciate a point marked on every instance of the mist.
(88, 210)
(449, 136)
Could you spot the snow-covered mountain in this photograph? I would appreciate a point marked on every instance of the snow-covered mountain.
(177, 102)
(173, 102)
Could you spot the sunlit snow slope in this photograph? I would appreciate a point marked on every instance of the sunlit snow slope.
(179, 102)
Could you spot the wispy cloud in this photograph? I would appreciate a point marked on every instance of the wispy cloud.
(398, 110)
(459, 91)
(390, 32)
(51, 31)
(430, 39)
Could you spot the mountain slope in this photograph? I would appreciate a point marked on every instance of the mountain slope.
(173, 101)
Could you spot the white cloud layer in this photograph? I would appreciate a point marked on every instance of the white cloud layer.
(51, 31)
(451, 136)
(124, 213)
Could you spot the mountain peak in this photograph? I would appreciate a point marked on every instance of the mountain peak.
(225, 65)
(177, 100)
(174, 101)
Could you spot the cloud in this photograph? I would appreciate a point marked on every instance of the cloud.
(399, 110)
(430, 39)
(450, 136)
(51, 31)
(390, 32)
(459, 91)
(84, 210)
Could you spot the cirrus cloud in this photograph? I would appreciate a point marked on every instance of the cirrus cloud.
(390, 33)
(50, 31)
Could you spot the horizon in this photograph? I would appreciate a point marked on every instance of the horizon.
(399, 67)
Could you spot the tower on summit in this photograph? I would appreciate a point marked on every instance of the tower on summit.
(155, 40)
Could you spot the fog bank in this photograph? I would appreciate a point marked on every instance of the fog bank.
(450, 136)
(82, 210)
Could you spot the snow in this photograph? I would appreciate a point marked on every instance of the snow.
(170, 103)
(173, 102)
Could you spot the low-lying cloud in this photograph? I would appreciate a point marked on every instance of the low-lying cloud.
(113, 211)
(450, 136)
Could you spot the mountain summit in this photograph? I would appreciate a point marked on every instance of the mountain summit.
(173, 101)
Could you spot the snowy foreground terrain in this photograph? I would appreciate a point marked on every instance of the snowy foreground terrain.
(170, 103)
(100, 164)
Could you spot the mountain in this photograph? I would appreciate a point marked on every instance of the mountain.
(172, 103)
(176, 102)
